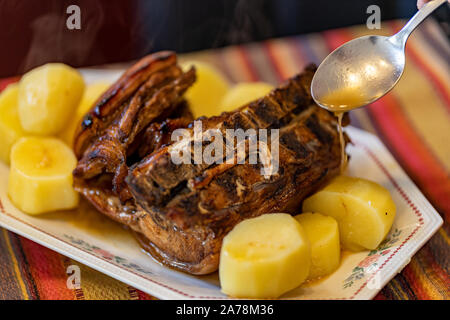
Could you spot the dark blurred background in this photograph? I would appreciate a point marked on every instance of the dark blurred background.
(33, 32)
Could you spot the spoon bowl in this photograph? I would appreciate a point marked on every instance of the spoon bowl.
(358, 73)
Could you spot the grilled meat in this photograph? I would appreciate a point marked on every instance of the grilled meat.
(151, 88)
(113, 133)
(181, 212)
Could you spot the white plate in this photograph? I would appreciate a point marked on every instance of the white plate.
(360, 276)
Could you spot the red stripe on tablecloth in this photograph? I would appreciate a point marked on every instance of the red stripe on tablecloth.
(380, 296)
(336, 38)
(411, 50)
(267, 46)
(251, 70)
(143, 296)
(405, 143)
(415, 283)
(48, 271)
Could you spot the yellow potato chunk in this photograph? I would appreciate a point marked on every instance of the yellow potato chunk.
(363, 209)
(40, 178)
(243, 93)
(264, 257)
(48, 97)
(323, 235)
(10, 127)
(208, 90)
(90, 96)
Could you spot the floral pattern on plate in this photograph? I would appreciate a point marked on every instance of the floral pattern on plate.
(369, 265)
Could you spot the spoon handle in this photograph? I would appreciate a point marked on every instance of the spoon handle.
(401, 36)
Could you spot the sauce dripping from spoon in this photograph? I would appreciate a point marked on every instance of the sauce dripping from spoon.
(339, 102)
(344, 159)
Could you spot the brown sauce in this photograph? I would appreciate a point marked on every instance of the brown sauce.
(316, 281)
(345, 99)
(87, 218)
(149, 248)
(340, 101)
(341, 141)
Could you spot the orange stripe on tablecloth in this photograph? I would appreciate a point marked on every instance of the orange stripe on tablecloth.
(283, 59)
(238, 65)
(48, 271)
(426, 278)
(441, 277)
(403, 140)
(432, 74)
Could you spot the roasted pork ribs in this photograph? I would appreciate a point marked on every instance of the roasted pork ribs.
(181, 212)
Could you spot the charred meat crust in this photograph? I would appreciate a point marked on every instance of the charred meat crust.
(152, 87)
(107, 106)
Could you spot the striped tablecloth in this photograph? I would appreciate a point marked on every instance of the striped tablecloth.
(413, 121)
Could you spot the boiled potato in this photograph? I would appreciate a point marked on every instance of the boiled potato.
(48, 97)
(243, 93)
(40, 178)
(363, 209)
(323, 235)
(208, 90)
(264, 257)
(90, 96)
(10, 127)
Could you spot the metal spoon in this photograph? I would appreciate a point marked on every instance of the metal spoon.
(364, 69)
